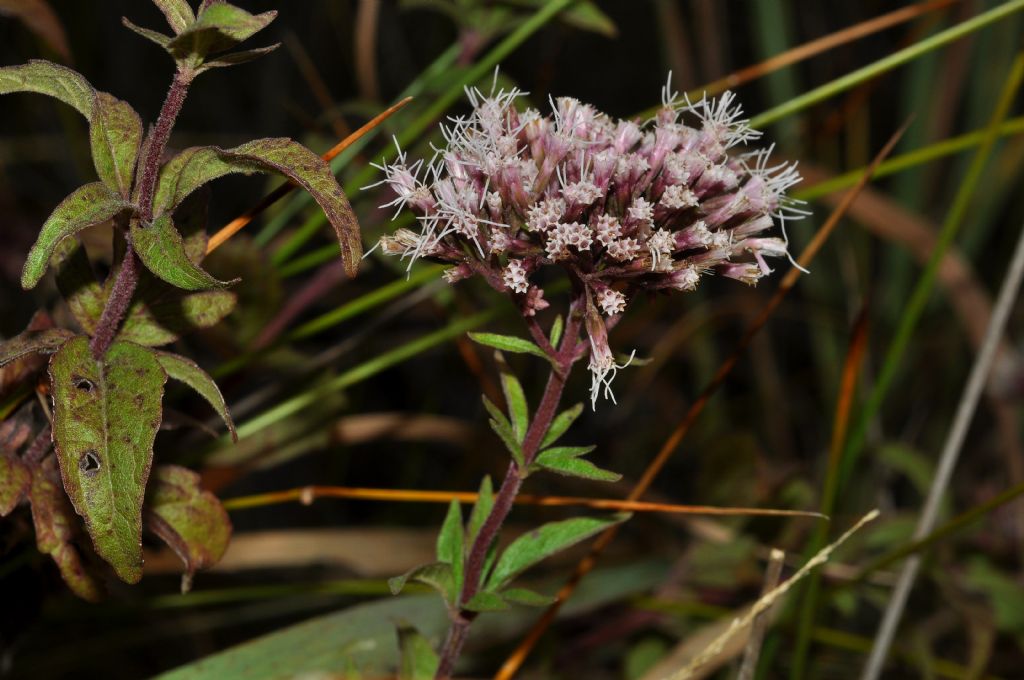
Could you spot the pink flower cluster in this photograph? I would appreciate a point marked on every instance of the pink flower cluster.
(622, 206)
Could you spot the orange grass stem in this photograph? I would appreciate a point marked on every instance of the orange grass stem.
(237, 224)
(515, 660)
(307, 494)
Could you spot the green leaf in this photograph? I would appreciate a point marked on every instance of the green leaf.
(562, 422)
(77, 283)
(33, 342)
(115, 135)
(187, 371)
(566, 461)
(437, 575)
(162, 250)
(92, 204)
(481, 510)
(153, 36)
(539, 544)
(501, 426)
(518, 410)
(507, 343)
(588, 17)
(106, 416)
(178, 13)
(56, 526)
(194, 167)
(525, 597)
(190, 520)
(485, 601)
(50, 79)
(418, 661)
(15, 479)
(450, 548)
(556, 330)
(218, 27)
(236, 58)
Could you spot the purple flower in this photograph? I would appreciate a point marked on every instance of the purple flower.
(621, 206)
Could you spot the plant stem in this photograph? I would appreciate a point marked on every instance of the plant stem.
(128, 275)
(562, 361)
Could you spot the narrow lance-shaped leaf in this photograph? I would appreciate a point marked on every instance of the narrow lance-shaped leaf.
(196, 166)
(162, 250)
(507, 343)
(190, 520)
(188, 372)
(450, 547)
(499, 423)
(236, 58)
(92, 204)
(539, 544)
(486, 601)
(562, 422)
(437, 575)
(115, 135)
(515, 398)
(418, 659)
(481, 510)
(568, 461)
(56, 526)
(151, 35)
(106, 416)
(526, 597)
(33, 342)
(50, 79)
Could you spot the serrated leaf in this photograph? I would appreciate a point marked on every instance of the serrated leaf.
(518, 410)
(187, 371)
(51, 79)
(557, 327)
(106, 416)
(562, 422)
(194, 167)
(437, 575)
(151, 35)
(485, 601)
(33, 342)
(88, 205)
(162, 250)
(507, 343)
(499, 423)
(15, 479)
(481, 510)
(525, 597)
(567, 463)
(541, 543)
(178, 13)
(218, 27)
(56, 526)
(418, 661)
(451, 547)
(189, 519)
(115, 136)
(236, 58)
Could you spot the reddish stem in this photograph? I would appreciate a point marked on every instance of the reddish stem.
(562, 361)
(128, 275)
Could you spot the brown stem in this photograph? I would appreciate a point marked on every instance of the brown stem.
(562, 361)
(128, 275)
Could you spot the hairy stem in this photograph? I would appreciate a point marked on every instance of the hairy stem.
(562, 361)
(128, 275)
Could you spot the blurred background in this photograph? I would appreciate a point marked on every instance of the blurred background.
(415, 421)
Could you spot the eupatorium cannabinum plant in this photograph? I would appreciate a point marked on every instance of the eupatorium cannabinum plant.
(106, 378)
(620, 208)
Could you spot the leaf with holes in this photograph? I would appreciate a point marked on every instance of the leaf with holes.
(418, 661)
(194, 167)
(115, 136)
(56, 527)
(15, 478)
(568, 461)
(541, 543)
(162, 250)
(106, 416)
(92, 204)
(190, 520)
(187, 371)
(33, 342)
(44, 77)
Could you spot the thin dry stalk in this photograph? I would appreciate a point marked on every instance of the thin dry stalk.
(753, 650)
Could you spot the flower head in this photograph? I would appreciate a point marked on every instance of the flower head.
(622, 206)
